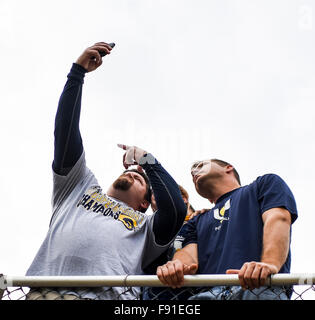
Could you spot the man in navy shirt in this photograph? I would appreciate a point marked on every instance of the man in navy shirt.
(247, 232)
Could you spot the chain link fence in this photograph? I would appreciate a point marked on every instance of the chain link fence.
(196, 287)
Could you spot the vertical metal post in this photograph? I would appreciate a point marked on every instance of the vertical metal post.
(2, 285)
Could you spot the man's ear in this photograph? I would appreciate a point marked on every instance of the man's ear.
(229, 168)
(144, 205)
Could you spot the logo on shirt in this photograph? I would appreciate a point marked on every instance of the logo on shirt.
(93, 200)
(222, 214)
(129, 222)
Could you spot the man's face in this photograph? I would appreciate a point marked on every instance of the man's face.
(203, 173)
(200, 169)
(132, 182)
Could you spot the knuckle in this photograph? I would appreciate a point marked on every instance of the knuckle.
(246, 278)
(171, 273)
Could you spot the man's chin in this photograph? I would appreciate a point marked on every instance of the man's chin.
(200, 188)
(199, 183)
(122, 184)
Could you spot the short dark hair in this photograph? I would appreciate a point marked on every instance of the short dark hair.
(224, 164)
(148, 193)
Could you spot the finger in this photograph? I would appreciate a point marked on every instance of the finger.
(94, 54)
(102, 48)
(130, 159)
(140, 169)
(241, 273)
(127, 157)
(124, 161)
(160, 275)
(122, 146)
(232, 271)
(202, 211)
(134, 156)
(256, 276)
(99, 63)
(192, 215)
(193, 268)
(180, 271)
(177, 278)
(105, 44)
(167, 275)
(265, 273)
(248, 276)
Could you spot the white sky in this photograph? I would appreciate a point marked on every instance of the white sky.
(187, 80)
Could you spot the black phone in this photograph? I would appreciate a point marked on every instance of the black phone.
(103, 53)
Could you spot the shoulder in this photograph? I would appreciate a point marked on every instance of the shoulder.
(270, 180)
(268, 184)
(269, 177)
(266, 180)
(192, 224)
(273, 191)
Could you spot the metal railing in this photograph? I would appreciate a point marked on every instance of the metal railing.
(301, 287)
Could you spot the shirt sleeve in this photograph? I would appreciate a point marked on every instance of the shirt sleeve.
(169, 217)
(189, 233)
(63, 185)
(68, 166)
(68, 142)
(273, 192)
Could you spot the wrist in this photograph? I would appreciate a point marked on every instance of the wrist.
(273, 265)
(79, 68)
(147, 158)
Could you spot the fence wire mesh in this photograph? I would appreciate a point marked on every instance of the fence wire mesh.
(303, 290)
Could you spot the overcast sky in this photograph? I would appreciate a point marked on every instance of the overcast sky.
(187, 80)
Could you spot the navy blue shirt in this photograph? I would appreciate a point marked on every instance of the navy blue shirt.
(231, 233)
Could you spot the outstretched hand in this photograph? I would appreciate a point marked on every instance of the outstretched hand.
(91, 59)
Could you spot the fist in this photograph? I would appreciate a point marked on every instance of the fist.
(91, 59)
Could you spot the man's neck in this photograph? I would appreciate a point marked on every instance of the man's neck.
(122, 196)
(223, 193)
(220, 188)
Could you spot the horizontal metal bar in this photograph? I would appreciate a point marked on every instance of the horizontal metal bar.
(147, 280)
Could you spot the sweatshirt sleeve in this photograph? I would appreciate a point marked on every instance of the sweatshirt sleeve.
(68, 142)
(170, 216)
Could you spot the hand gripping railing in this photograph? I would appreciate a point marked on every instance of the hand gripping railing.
(295, 279)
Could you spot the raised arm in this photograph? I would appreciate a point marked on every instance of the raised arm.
(68, 142)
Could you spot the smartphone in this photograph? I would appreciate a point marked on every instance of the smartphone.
(103, 53)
